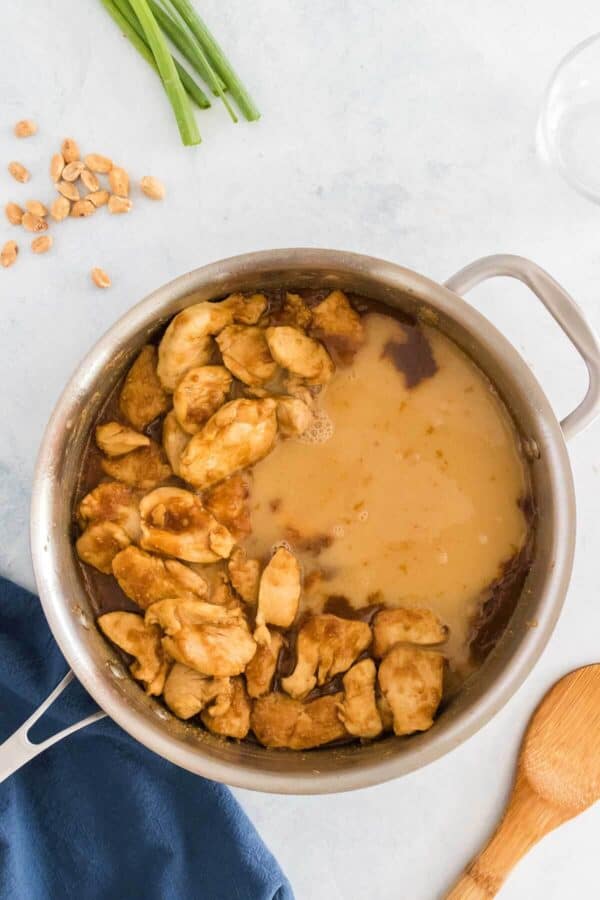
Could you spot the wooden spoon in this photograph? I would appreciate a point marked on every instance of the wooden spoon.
(558, 776)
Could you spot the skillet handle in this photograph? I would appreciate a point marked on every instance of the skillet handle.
(563, 309)
(18, 749)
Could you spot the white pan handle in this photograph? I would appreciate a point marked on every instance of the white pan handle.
(561, 306)
(18, 749)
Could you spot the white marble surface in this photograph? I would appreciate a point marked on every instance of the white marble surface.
(404, 130)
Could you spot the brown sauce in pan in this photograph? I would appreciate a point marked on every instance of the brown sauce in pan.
(413, 491)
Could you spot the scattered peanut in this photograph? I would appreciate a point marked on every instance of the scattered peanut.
(119, 204)
(25, 128)
(98, 163)
(119, 181)
(98, 198)
(152, 187)
(90, 180)
(60, 209)
(14, 213)
(37, 208)
(73, 170)
(100, 278)
(70, 150)
(41, 244)
(8, 254)
(57, 165)
(19, 172)
(34, 223)
(82, 208)
(68, 190)
(66, 168)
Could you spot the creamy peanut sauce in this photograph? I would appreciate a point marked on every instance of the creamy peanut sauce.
(406, 496)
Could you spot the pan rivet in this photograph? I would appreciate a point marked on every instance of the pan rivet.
(116, 670)
(531, 449)
(81, 617)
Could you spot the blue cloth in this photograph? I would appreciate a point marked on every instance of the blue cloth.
(98, 815)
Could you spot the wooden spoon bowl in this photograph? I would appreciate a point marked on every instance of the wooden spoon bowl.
(558, 776)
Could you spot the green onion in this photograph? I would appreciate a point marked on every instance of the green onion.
(216, 58)
(187, 45)
(124, 17)
(192, 51)
(179, 100)
(125, 12)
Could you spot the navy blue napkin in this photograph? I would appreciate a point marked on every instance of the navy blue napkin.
(98, 815)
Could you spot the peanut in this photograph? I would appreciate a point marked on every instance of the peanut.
(37, 208)
(8, 254)
(34, 223)
(41, 244)
(98, 163)
(119, 181)
(100, 278)
(60, 209)
(152, 187)
(98, 198)
(70, 150)
(19, 172)
(73, 170)
(90, 180)
(82, 208)
(118, 204)
(57, 165)
(14, 213)
(68, 190)
(25, 128)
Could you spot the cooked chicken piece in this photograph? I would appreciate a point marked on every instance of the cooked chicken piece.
(412, 626)
(244, 575)
(385, 712)
(222, 592)
(411, 681)
(228, 501)
(100, 543)
(188, 342)
(174, 614)
(145, 578)
(187, 692)
(358, 709)
(278, 594)
(129, 632)
(260, 671)
(338, 326)
(294, 416)
(237, 436)
(327, 645)
(213, 640)
(174, 440)
(112, 501)
(296, 387)
(246, 310)
(142, 396)
(246, 354)
(218, 650)
(115, 439)
(294, 312)
(175, 522)
(199, 394)
(143, 468)
(279, 721)
(299, 354)
(234, 721)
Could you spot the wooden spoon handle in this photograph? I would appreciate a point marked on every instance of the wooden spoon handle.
(527, 819)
